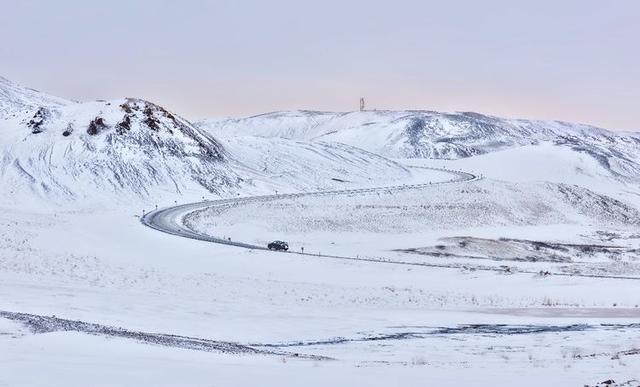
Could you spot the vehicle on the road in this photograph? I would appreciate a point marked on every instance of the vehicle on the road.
(278, 245)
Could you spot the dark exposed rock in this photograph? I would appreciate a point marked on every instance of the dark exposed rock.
(96, 126)
(126, 107)
(67, 132)
(150, 120)
(124, 125)
(38, 120)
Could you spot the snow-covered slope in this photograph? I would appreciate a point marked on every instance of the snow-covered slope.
(132, 149)
(15, 99)
(426, 134)
(547, 162)
(289, 165)
(524, 275)
(454, 208)
(126, 148)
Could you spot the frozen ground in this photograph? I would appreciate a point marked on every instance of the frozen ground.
(383, 324)
(528, 275)
(130, 302)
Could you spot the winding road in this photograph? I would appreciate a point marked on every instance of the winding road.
(171, 220)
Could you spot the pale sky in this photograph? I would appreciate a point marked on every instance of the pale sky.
(569, 60)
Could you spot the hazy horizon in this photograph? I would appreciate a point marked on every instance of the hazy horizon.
(573, 61)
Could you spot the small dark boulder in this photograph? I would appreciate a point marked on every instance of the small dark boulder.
(126, 107)
(67, 132)
(96, 126)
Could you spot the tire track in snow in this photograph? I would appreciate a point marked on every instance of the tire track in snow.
(494, 330)
(39, 324)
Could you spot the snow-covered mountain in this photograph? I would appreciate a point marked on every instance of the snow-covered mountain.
(133, 149)
(433, 135)
(125, 148)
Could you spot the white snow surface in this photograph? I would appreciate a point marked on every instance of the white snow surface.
(527, 276)
(434, 135)
(102, 150)
(294, 166)
(137, 151)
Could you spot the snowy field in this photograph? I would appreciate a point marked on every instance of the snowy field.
(509, 255)
(318, 320)
(380, 324)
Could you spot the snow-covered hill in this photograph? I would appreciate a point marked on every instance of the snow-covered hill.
(131, 149)
(433, 135)
(334, 224)
(294, 166)
(126, 148)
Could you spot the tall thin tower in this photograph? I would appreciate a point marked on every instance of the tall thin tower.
(361, 104)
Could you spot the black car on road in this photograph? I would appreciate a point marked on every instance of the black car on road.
(278, 245)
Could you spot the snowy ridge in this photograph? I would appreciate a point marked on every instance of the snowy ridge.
(127, 149)
(433, 135)
(15, 99)
(133, 149)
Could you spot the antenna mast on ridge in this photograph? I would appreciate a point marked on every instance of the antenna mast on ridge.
(361, 104)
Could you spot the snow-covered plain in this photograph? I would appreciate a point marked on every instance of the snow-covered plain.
(528, 276)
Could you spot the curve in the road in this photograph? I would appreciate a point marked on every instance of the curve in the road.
(171, 220)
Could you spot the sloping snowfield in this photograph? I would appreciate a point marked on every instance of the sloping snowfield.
(109, 301)
(118, 289)
(516, 264)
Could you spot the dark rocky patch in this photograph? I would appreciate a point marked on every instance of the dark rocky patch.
(124, 125)
(67, 132)
(96, 125)
(520, 250)
(38, 120)
(149, 118)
